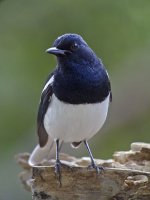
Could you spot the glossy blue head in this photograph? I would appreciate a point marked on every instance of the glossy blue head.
(71, 48)
(80, 76)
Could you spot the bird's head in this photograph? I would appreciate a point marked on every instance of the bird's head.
(71, 47)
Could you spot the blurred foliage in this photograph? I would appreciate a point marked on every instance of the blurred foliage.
(118, 31)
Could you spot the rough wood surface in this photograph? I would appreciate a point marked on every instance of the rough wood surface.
(125, 177)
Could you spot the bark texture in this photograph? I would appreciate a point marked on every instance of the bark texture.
(125, 177)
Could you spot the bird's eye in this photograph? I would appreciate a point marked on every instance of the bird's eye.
(74, 46)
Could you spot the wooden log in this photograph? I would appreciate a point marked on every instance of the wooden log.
(125, 177)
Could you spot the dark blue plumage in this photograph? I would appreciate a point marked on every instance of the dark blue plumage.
(75, 99)
(80, 76)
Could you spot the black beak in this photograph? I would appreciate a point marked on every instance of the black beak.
(57, 52)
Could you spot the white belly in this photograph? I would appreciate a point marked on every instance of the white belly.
(74, 123)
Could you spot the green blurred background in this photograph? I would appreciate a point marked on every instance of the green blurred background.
(118, 31)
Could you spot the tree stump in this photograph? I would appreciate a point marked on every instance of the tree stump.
(125, 177)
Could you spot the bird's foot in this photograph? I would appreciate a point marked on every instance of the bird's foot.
(58, 171)
(97, 168)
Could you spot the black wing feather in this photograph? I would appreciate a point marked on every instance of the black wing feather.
(110, 93)
(44, 103)
(110, 96)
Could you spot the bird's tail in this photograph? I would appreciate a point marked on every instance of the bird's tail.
(40, 153)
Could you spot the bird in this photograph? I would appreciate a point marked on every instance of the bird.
(74, 101)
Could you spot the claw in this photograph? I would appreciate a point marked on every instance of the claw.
(58, 172)
(93, 165)
(58, 164)
(97, 168)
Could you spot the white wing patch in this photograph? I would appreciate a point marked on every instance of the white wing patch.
(48, 83)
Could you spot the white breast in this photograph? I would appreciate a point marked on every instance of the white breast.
(74, 123)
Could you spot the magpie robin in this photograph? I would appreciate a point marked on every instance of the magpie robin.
(74, 101)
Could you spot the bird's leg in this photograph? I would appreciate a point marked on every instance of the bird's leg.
(98, 169)
(58, 163)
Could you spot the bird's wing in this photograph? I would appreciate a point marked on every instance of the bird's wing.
(44, 103)
(46, 148)
(110, 93)
(110, 97)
